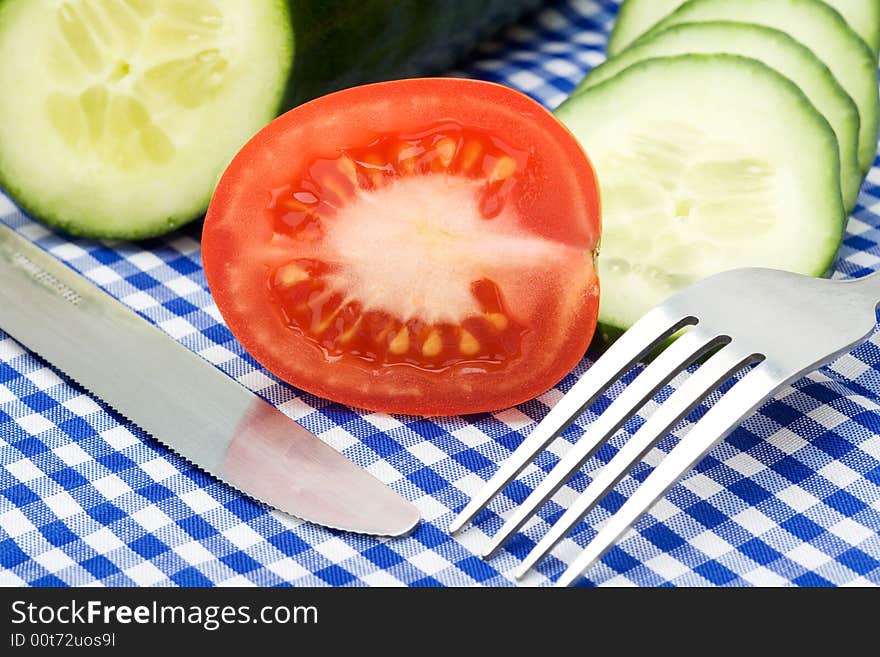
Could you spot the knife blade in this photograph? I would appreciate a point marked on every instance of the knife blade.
(182, 400)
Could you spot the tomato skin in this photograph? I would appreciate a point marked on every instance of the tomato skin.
(558, 202)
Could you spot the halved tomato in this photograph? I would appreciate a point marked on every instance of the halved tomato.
(420, 246)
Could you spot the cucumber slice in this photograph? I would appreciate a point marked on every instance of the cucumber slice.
(863, 16)
(819, 28)
(775, 49)
(638, 16)
(699, 177)
(119, 117)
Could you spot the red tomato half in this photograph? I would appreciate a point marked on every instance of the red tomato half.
(419, 246)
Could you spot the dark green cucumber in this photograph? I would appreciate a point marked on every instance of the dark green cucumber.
(342, 43)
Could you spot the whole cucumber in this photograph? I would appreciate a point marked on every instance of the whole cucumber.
(343, 43)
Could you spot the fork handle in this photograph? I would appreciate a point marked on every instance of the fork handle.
(867, 286)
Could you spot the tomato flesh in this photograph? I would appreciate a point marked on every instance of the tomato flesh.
(319, 308)
(418, 266)
(340, 327)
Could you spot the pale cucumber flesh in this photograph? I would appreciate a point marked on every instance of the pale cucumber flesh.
(698, 177)
(773, 48)
(821, 29)
(863, 16)
(122, 114)
(636, 17)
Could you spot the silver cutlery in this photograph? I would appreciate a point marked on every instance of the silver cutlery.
(769, 327)
(183, 400)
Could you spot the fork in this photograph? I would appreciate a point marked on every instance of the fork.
(777, 325)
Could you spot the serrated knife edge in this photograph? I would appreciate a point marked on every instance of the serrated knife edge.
(183, 401)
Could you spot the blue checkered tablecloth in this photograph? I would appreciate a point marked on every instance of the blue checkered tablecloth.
(791, 498)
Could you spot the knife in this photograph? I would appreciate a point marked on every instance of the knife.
(184, 401)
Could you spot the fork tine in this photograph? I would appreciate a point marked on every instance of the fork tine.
(670, 362)
(720, 367)
(718, 422)
(638, 341)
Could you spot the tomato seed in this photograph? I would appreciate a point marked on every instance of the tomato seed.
(504, 168)
(497, 320)
(348, 335)
(468, 344)
(400, 344)
(290, 274)
(433, 345)
(315, 306)
(406, 157)
(330, 317)
(446, 148)
(469, 155)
